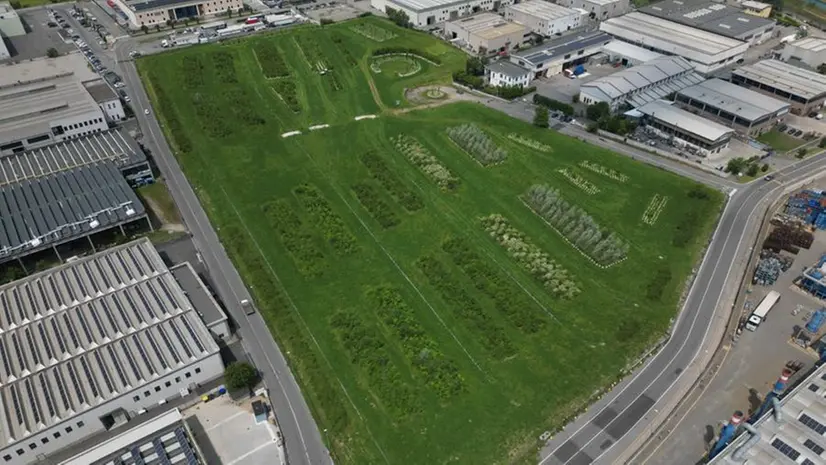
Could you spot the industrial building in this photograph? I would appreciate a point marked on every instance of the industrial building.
(715, 18)
(545, 18)
(426, 13)
(706, 136)
(814, 279)
(108, 101)
(599, 10)
(88, 345)
(708, 52)
(487, 33)
(196, 291)
(763, 10)
(628, 54)
(804, 89)
(10, 24)
(551, 57)
(809, 52)
(151, 12)
(746, 111)
(505, 73)
(639, 85)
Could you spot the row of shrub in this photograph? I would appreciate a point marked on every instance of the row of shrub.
(466, 308)
(170, 116)
(300, 243)
(332, 227)
(477, 144)
(420, 156)
(439, 373)
(366, 349)
(407, 51)
(344, 50)
(502, 290)
(211, 116)
(270, 59)
(285, 88)
(224, 64)
(332, 80)
(375, 205)
(192, 69)
(553, 104)
(248, 115)
(408, 198)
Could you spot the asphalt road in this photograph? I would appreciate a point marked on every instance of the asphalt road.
(302, 438)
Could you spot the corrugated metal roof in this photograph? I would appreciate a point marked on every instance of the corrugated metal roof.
(630, 79)
(812, 44)
(632, 51)
(688, 122)
(558, 48)
(507, 68)
(543, 10)
(734, 99)
(785, 77)
(709, 16)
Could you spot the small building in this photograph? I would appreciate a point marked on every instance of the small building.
(707, 51)
(804, 89)
(814, 278)
(599, 10)
(10, 24)
(504, 73)
(628, 54)
(713, 17)
(544, 18)
(149, 13)
(551, 57)
(487, 33)
(760, 9)
(706, 136)
(746, 111)
(427, 13)
(107, 100)
(809, 51)
(202, 299)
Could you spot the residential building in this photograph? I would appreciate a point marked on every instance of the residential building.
(505, 73)
(428, 13)
(715, 18)
(763, 10)
(552, 56)
(544, 18)
(599, 10)
(641, 84)
(746, 111)
(705, 136)
(809, 52)
(10, 24)
(628, 54)
(149, 13)
(107, 100)
(486, 34)
(804, 89)
(93, 343)
(708, 52)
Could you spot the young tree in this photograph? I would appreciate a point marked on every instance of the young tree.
(598, 111)
(765, 167)
(822, 143)
(398, 16)
(801, 152)
(52, 52)
(475, 66)
(821, 68)
(158, 28)
(145, 28)
(240, 375)
(753, 169)
(540, 117)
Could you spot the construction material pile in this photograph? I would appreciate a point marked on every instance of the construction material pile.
(770, 266)
(809, 206)
(790, 238)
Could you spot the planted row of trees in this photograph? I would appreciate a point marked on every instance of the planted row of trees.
(270, 60)
(540, 265)
(655, 207)
(224, 64)
(509, 300)
(426, 162)
(607, 172)
(534, 144)
(293, 233)
(286, 90)
(439, 373)
(373, 32)
(375, 205)
(332, 227)
(366, 350)
(587, 186)
(408, 198)
(603, 247)
(192, 69)
(477, 144)
(492, 336)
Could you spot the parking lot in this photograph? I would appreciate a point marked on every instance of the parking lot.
(564, 88)
(39, 37)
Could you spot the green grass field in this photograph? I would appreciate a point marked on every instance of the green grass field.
(415, 335)
(780, 141)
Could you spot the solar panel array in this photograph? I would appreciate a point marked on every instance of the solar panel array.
(83, 333)
(171, 447)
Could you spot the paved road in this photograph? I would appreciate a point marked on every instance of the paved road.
(591, 438)
(302, 438)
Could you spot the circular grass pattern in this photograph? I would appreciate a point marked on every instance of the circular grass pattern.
(399, 66)
(435, 94)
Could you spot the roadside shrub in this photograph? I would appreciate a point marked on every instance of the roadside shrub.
(409, 199)
(691, 220)
(179, 135)
(292, 232)
(378, 208)
(654, 290)
(331, 225)
(553, 104)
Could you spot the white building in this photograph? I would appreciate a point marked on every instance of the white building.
(88, 345)
(151, 12)
(107, 100)
(705, 136)
(10, 24)
(628, 54)
(425, 13)
(486, 33)
(708, 52)
(599, 10)
(811, 51)
(552, 56)
(504, 73)
(544, 18)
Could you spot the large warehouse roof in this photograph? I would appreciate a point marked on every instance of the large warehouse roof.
(709, 16)
(659, 77)
(558, 48)
(543, 10)
(488, 25)
(642, 55)
(420, 6)
(785, 77)
(688, 122)
(81, 334)
(734, 99)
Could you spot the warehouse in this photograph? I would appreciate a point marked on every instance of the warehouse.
(107, 100)
(599, 10)
(426, 13)
(763, 10)
(805, 90)
(639, 85)
(746, 111)
(10, 24)
(810, 52)
(551, 57)
(708, 52)
(486, 33)
(157, 12)
(545, 18)
(87, 345)
(714, 17)
(505, 73)
(706, 136)
(628, 54)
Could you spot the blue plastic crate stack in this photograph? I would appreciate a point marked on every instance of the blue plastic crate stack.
(809, 206)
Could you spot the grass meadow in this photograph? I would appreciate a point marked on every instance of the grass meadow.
(417, 335)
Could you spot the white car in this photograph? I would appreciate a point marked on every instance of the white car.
(146, 112)
(126, 99)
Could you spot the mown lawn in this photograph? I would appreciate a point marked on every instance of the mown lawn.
(780, 141)
(415, 336)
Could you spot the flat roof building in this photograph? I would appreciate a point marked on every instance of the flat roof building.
(804, 89)
(599, 10)
(202, 299)
(427, 13)
(714, 17)
(487, 33)
(628, 54)
(149, 13)
(551, 57)
(106, 98)
(706, 136)
(744, 110)
(760, 9)
(92, 342)
(545, 18)
(10, 24)
(809, 51)
(708, 52)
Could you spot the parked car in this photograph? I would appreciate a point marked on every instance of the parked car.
(65, 25)
(791, 130)
(782, 128)
(798, 133)
(119, 85)
(127, 99)
(51, 24)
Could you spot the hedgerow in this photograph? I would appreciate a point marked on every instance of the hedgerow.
(378, 208)
(224, 64)
(409, 199)
(426, 162)
(192, 71)
(331, 225)
(170, 116)
(270, 59)
(297, 240)
(407, 51)
(285, 88)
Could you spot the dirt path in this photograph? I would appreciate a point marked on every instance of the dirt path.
(373, 89)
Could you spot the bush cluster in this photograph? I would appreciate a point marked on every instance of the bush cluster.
(607, 172)
(368, 351)
(408, 198)
(193, 71)
(407, 51)
(179, 135)
(270, 59)
(573, 223)
(211, 116)
(224, 64)
(466, 308)
(285, 88)
(299, 242)
(425, 161)
(507, 298)
(530, 257)
(477, 144)
(332, 227)
(655, 288)
(553, 104)
(439, 373)
(378, 208)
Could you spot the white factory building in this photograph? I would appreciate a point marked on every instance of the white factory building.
(545, 18)
(486, 33)
(504, 73)
(705, 136)
(552, 56)
(599, 10)
(708, 52)
(628, 54)
(425, 13)
(715, 18)
(809, 51)
(91, 344)
(151, 12)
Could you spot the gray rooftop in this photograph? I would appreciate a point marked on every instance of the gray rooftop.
(83, 333)
(143, 5)
(783, 76)
(709, 16)
(734, 99)
(543, 10)
(686, 121)
(198, 294)
(654, 72)
(101, 92)
(426, 5)
(507, 68)
(812, 44)
(554, 49)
